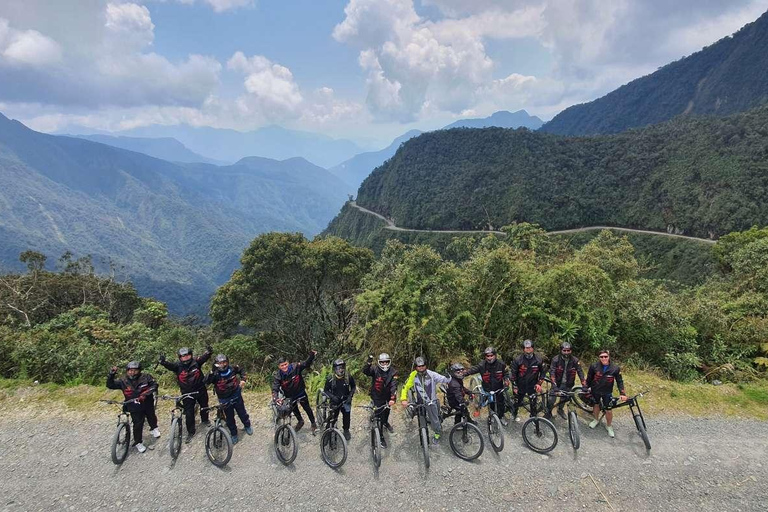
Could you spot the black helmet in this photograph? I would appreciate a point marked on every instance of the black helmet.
(456, 369)
(221, 358)
(419, 361)
(133, 365)
(184, 351)
(339, 367)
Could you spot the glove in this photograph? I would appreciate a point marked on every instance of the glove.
(370, 358)
(113, 370)
(161, 359)
(209, 349)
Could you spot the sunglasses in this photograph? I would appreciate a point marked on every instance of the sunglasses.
(604, 357)
(490, 355)
(566, 350)
(421, 366)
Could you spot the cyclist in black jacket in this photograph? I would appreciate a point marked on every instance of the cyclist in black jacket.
(562, 373)
(289, 379)
(600, 379)
(526, 372)
(383, 388)
(456, 392)
(494, 376)
(191, 379)
(340, 388)
(140, 387)
(228, 383)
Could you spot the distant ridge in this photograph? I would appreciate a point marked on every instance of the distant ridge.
(500, 119)
(165, 148)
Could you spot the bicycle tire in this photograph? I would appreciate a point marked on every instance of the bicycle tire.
(376, 446)
(580, 401)
(643, 434)
(462, 436)
(333, 448)
(218, 446)
(573, 430)
(320, 410)
(424, 437)
(286, 445)
(495, 433)
(536, 431)
(174, 443)
(121, 443)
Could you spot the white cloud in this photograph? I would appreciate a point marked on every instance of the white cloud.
(216, 5)
(27, 47)
(129, 26)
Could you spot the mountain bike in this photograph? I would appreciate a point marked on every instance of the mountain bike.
(420, 411)
(495, 433)
(374, 423)
(333, 446)
(121, 440)
(574, 432)
(539, 434)
(218, 442)
(177, 415)
(285, 440)
(637, 415)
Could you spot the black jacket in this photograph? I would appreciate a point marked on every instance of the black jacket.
(142, 388)
(456, 393)
(602, 382)
(226, 385)
(189, 375)
(526, 373)
(340, 390)
(493, 374)
(383, 384)
(570, 367)
(291, 382)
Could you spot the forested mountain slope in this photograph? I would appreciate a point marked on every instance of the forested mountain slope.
(724, 78)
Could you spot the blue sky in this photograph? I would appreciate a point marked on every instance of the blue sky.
(368, 70)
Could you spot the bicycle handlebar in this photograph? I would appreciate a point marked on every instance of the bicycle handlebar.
(375, 407)
(180, 397)
(118, 402)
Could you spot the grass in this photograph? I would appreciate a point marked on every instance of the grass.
(666, 397)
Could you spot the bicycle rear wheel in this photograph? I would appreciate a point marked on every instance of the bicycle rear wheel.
(581, 400)
(641, 430)
(376, 446)
(321, 409)
(286, 447)
(466, 441)
(218, 446)
(539, 435)
(333, 448)
(174, 443)
(424, 437)
(495, 434)
(573, 430)
(121, 442)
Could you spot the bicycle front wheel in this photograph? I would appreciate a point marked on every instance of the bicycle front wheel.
(333, 448)
(174, 444)
(121, 442)
(466, 441)
(424, 445)
(495, 434)
(581, 400)
(573, 430)
(286, 447)
(539, 435)
(643, 434)
(218, 446)
(376, 446)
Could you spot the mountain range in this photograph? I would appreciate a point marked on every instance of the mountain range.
(724, 78)
(164, 148)
(177, 230)
(500, 119)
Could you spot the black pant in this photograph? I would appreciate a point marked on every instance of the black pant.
(236, 406)
(345, 416)
(460, 412)
(382, 414)
(552, 398)
(304, 401)
(520, 397)
(147, 410)
(189, 409)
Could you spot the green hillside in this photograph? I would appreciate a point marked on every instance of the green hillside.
(722, 79)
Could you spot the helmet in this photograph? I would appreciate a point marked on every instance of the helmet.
(456, 369)
(419, 361)
(339, 367)
(221, 358)
(184, 351)
(384, 361)
(133, 365)
(565, 345)
(490, 351)
(527, 344)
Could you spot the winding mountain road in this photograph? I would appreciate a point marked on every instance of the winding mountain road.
(392, 227)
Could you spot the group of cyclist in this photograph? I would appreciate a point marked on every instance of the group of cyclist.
(524, 376)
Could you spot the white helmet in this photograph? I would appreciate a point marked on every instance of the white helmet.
(384, 362)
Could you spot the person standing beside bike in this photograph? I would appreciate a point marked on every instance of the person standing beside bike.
(457, 393)
(600, 379)
(493, 373)
(140, 387)
(340, 388)
(525, 372)
(191, 380)
(289, 379)
(563, 373)
(425, 383)
(383, 389)
(228, 382)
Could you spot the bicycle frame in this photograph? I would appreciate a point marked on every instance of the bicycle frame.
(632, 403)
